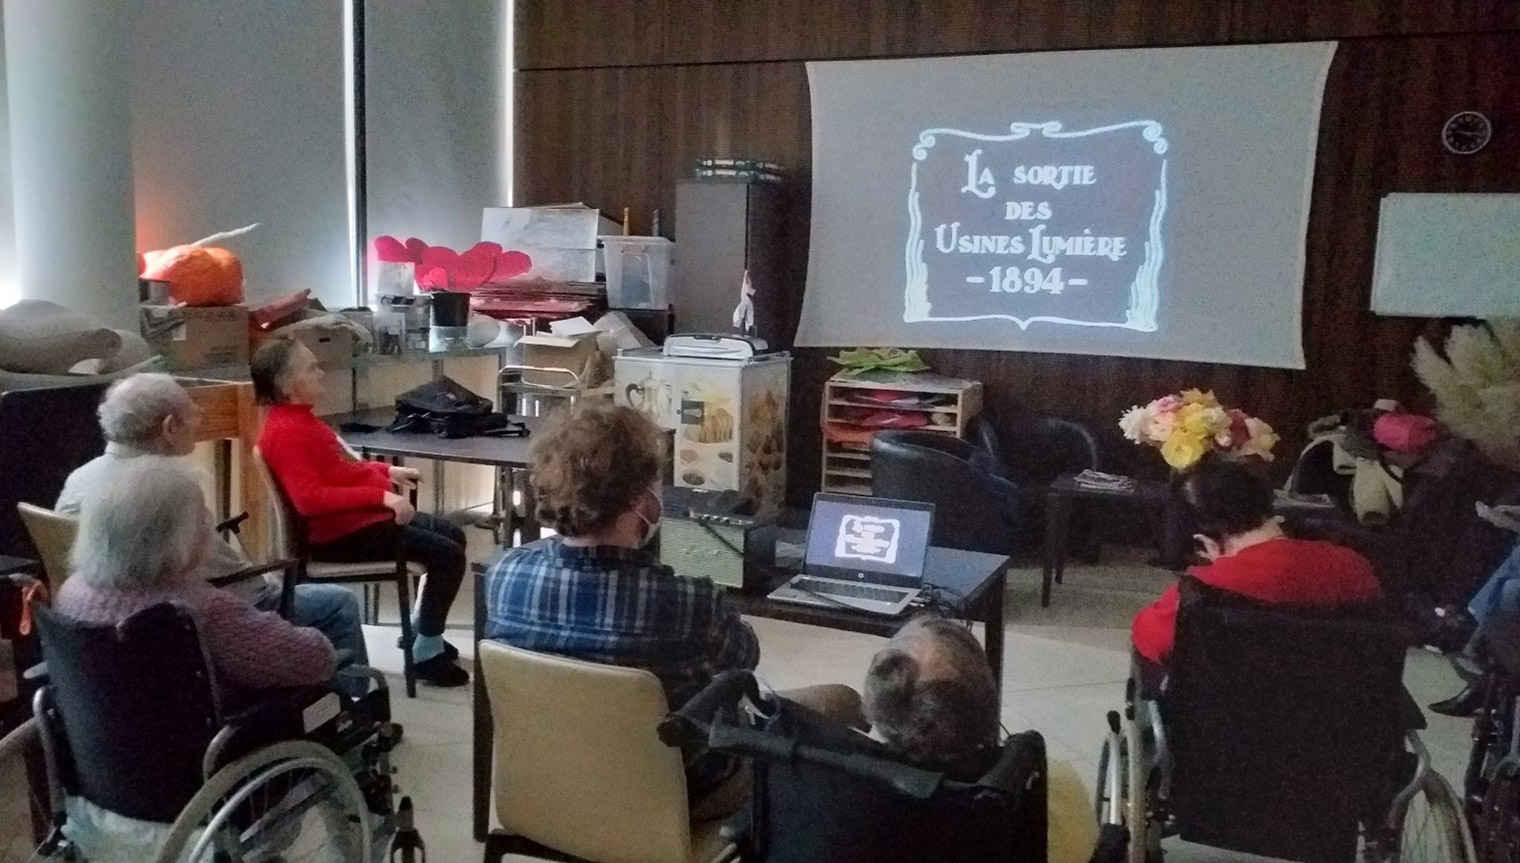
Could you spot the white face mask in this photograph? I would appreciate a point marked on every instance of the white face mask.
(651, 528)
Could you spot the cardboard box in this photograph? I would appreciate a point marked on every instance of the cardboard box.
(576, 352)
(197, 338)
(332, 346)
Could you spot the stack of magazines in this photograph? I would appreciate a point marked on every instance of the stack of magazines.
(1099, 481)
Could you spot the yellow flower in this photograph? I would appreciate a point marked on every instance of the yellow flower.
(1205, 421)
(1199, 397)
(1182, 450)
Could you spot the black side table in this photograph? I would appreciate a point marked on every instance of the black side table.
(1062, 495)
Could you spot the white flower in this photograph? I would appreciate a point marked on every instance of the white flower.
(1134, 423)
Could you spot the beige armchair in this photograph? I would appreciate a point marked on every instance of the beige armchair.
(580, 770)
(53, 533)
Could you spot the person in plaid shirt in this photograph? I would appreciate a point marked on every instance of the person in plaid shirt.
(594, 592)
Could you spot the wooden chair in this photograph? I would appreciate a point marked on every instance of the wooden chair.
(290, 541)
(581, 773)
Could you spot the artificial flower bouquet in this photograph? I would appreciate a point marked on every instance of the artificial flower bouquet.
(1188, 425)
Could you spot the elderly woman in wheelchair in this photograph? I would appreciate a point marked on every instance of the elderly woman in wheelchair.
(178, 723)
(1278, 731)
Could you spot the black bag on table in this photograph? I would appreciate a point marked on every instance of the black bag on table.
(449, 410)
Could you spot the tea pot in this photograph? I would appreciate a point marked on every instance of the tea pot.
(650, 396)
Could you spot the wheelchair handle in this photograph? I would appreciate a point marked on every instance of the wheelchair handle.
(692, 722)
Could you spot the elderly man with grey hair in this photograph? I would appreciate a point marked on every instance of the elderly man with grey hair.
(152, 415)
(930, 695)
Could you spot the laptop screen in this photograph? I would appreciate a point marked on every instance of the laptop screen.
(868, 539)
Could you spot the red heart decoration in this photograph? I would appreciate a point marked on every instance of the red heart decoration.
(494, 247)
(434, 279)
(391, 250)
(416, 247)
(439, 256)
(510, 265)
(473, 268)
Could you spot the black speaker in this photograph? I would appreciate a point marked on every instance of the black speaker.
(706, 534)
(723, 228)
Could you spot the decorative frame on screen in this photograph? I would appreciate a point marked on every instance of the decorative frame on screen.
(1026, 265)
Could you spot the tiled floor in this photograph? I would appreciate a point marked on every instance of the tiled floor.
(1064, 669)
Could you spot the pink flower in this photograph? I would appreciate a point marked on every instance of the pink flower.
(1167, 404)
(1161, 427)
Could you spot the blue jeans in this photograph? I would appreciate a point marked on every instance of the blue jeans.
(1501, 593)
(330, 609)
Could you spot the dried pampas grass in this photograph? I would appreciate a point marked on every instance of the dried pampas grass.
(1477, 386)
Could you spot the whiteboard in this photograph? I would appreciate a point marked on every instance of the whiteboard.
(1448, 256)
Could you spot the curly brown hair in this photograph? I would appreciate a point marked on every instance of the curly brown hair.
(590, 464)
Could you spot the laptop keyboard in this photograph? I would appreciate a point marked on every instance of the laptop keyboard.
(854, 591)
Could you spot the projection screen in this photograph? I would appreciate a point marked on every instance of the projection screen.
(1143, 203)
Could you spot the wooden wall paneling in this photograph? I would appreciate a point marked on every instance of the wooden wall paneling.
(702, 31)
(555, 34)
(622, 136)
(756, 110)
(1117, 23)
(592, 135)
(564, 34)
(1051, 25)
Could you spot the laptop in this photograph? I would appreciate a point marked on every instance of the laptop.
(863, 553)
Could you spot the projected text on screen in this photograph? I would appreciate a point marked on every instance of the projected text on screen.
(1038, 225)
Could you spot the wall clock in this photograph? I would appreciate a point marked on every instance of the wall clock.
(1466, 133)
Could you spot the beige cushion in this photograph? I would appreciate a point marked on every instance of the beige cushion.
(23, 381)
(579, 765)
(43, 337)
(134, 351)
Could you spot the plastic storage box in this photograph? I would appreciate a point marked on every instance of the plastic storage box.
(638, 272)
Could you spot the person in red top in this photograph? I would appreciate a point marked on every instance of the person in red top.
(354, 509)
(1249, 554)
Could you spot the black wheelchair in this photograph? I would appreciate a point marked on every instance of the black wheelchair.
(146, 761)
(826, 792)
(1491, 784)
(1281, 732)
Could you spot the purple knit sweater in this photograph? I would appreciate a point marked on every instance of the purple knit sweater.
(250, 649)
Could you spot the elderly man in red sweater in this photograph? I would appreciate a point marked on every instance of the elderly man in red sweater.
(1249, 554)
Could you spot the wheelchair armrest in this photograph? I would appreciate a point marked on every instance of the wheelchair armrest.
(251, 572)
(295, 713)
(232, 525)
(277, 707)
(689, 725)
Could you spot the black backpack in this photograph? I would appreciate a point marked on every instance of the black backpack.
(448, 410)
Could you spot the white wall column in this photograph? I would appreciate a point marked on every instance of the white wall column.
(68, 80)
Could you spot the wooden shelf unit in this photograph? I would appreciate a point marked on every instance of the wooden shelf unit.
(847, 470)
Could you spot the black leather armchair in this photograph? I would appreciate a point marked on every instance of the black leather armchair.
(938, 469)
(1047, 446)
(1041, 448)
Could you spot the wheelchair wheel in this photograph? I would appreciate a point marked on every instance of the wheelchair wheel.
(1429, 829)
(1497, 826)
(289, 802)
(1147, 848)
(1101, 795)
